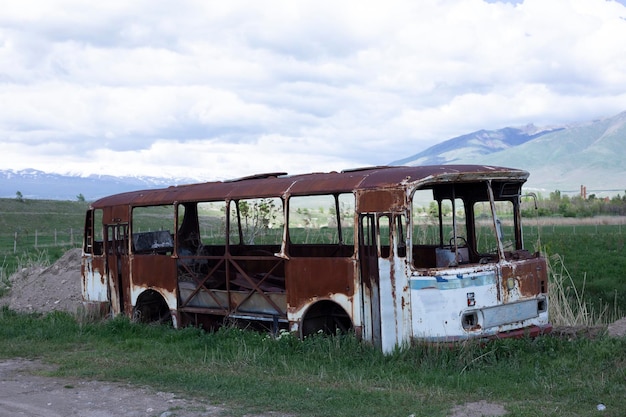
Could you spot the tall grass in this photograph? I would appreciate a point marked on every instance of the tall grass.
(567, 303)
(28, 259)
(5, 284)
(33, 259)
(595, 256)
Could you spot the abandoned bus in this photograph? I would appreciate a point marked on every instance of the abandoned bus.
(395, 254)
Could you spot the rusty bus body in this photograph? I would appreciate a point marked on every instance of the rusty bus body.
(396, 254)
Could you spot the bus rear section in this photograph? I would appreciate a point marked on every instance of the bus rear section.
(471, 276)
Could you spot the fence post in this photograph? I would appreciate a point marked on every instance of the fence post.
(55, 237)
(71, 237)
(15, 244)
(36, 238)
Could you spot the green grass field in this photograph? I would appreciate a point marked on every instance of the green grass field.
(36, 229)
(593, 254)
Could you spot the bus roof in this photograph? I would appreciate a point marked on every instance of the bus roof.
(279, 184)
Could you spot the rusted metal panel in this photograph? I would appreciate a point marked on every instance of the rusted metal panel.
(381, 200)
(154, 271)
(233, 285)
(94, 283)
(115, 214)
(307, 184)
(395, 310)
(310, 278)
(125, 285)
(525, 278)
(94, 286)
(242, 301)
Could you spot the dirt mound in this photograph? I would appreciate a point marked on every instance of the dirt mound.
(55, 288)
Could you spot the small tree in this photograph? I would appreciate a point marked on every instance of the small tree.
(19, 197)
(80, 197)
(257, 216)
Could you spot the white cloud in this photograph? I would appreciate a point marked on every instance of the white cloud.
(222, 89)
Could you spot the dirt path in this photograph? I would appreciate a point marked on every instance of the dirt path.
(25, 393)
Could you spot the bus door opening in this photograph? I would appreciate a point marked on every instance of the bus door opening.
(370, 285)
(117, 262)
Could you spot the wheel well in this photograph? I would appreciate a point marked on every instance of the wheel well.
(151, 307)
(326, 317)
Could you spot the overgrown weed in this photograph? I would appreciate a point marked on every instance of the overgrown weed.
(29, 259)
(5, 283)
(33, 259)
(567, 304)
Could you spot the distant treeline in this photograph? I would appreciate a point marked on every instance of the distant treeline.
(577, 206)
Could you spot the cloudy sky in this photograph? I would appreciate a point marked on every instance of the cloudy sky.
(221, 89)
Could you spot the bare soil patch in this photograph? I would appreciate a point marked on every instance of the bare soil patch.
(26, 393)
(478, 409)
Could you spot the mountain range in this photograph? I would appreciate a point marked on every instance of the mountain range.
(564, 158)
(34, 184)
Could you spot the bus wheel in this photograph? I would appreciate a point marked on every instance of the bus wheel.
(325, 317)
(151, 308)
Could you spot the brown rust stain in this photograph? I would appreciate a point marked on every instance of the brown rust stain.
(308, 278)
(125, 278)
(154, 271)
(306, 184)
(98, 266)
(530, 275)
(95, 267)
(83, 275)
(392, 281)
(116, 214)
(381, 200)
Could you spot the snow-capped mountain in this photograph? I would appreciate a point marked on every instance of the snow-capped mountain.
(34, 184)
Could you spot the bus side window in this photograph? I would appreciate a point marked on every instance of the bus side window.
(384, 236)
(321, 225)
(93, 232)
(257, 222)
(151, 227)
(98, 237)
(400, 234)
(425, 232)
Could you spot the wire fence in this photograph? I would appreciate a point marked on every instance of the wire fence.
(19, 242)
